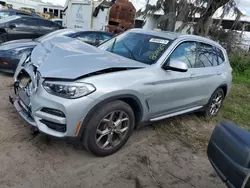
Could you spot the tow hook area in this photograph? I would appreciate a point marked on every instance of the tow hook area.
(34, 131)
(11, 100)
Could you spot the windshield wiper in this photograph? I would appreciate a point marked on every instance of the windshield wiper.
(113, 45)
(132, 55)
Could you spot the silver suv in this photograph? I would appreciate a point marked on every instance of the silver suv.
(66, 88)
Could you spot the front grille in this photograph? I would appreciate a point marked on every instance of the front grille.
(55, 126)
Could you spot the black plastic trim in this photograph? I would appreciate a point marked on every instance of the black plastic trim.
(55, 126)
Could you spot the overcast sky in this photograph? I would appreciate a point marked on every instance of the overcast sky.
(244, 5)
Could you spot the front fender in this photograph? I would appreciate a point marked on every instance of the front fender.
(116, 95)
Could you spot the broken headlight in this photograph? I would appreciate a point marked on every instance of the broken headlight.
(69, 90)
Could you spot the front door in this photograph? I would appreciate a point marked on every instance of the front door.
(171, 92)
(25, 28)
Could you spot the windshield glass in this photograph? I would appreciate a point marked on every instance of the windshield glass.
(8, 19)
(64, 32)
(137, 46)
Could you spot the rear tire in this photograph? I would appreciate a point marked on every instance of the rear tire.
(109, 128)
(214, 104)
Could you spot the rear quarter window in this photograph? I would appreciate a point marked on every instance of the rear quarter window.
(220, 55)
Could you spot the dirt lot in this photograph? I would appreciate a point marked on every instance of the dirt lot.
(170, 155)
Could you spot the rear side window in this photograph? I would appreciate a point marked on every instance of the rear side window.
(58, 22)
(220, 56)
(198, 55)
(32, 22)
(45, 23)
(209, 56)
(21, 13)
(206, 56)
(103, 37)
(87, 37)
(26, 22)
(55, 25)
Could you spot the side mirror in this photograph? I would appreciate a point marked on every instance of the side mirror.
(12, 26)
(176, 65)
(229, 153)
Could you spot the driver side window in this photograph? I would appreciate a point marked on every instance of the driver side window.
(185, 52)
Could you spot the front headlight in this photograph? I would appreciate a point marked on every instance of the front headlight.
(69, 90)
(17, 53)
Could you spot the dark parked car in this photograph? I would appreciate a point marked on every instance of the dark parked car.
(229, 153)
(11, 12)
(11, 52)
(58, 21)
(25, 27)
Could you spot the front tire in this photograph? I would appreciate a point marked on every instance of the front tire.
(109, 128)
(2, 39)
(214, 104)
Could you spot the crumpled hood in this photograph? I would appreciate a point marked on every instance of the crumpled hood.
(18, 44)
(63, 57)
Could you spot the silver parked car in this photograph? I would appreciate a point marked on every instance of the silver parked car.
(66, 88)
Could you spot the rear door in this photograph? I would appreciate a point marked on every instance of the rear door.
(205, 72)
(25, 28)
(46, 26)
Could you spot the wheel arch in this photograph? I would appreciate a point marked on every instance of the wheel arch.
(224, 87)
(132, 100)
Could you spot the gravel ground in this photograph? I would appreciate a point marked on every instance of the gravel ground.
(150, 159)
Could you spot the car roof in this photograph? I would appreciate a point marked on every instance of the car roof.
(199, 38)
(56, 19)
(174, 35)
(38, 17)
(14, 10)
(164, 34)
(91, 30)
(10, 10)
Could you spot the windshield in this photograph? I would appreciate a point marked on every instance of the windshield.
(137, 46)
(8, 19)
(63, 32)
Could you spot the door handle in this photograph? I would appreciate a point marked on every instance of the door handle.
(193, 75)
(219, 72)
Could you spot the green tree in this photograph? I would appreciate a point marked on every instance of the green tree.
(185, 11)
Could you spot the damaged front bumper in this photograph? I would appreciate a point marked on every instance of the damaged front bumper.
(50, 114)
(22, 110)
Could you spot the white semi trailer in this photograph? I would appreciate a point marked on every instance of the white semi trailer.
(79, 14)
(110, 15)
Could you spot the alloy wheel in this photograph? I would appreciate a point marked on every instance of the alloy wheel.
(216, 103)
(112, 130)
